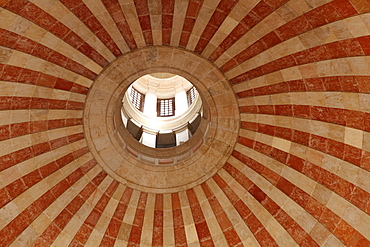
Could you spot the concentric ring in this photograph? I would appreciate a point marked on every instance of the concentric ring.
(139, 166)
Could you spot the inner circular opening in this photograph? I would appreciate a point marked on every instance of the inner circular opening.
(162, 110)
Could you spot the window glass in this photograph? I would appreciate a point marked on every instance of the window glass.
(166, 107)
(137, 99)
(191, 93)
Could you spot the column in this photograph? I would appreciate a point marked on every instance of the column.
(149, 139)
(150, 104)
(181, 101)
(182, 136)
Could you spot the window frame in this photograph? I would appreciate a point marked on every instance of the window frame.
(169, 109)
(191, 94)
(137, 103)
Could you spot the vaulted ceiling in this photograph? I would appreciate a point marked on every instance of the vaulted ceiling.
(298, 175)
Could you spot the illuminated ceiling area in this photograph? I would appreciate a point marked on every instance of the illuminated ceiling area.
(281, 154)
(161, 112)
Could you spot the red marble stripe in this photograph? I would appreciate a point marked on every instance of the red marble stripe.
(18, 129)
(357, 84)
(87, 17)
(21, 103)
(339, 49)
(23, 75)
(222, 10)
(361, 6)
(227, 228)
(12, 230)
(59, 223)
(21, 155)
(89, 224)
(168, 8)
(23, 44)
(190, 17)
(358, 240)
(301, 237)
(350, 118)
(260, 11)
(324, 14)
(342, 187)
(14, 189)
(258, 230)
(35, 14)
(137, 225)
(114, 226)
(157, 239)
(142, 10)
(204, 235)
(178, 222)
(353, 155)
(114, 9)
(324, 215)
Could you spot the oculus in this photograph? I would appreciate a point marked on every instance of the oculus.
(162, 110)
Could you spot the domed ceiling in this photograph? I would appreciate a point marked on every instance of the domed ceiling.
(287, 162)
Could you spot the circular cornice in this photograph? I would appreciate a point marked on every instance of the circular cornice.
(161, 87)
(127, 160)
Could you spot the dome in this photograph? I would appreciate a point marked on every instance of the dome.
(162, 112)
(281, 152)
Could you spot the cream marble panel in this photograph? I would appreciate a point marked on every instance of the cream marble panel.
(204, 15)
(129, 10)
(238, 223)
(105, 19)
(63, 14)
(178, 21)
